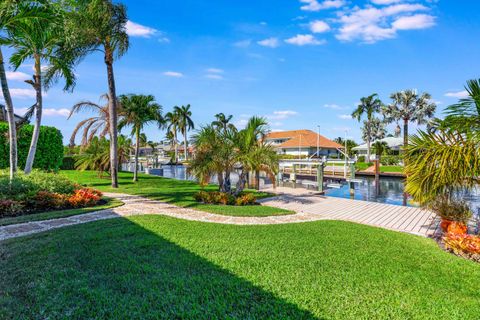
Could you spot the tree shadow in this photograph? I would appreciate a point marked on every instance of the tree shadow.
(117, 269)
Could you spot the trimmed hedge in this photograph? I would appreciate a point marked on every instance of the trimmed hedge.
(68, 163)
(49, 154)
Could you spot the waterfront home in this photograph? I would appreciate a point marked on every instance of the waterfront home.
(303, 143)
(394, 144)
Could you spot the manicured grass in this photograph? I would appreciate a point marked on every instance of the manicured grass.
(110, 203)
(393, 169)
(362, 165)
(156, 267)
(174, 191)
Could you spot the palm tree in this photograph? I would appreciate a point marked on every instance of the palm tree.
(92, 126)
(100, 25)
(43, 41)
(368, 106)
(380, 148)
(465, 114)
(373, 130)
(11, 13)
(223, 122)
(138, 111)
(408, 106)
(172, 120)
(185, 124)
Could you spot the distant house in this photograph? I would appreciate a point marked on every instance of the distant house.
(395, 145)
(3, 115)
(303, 143)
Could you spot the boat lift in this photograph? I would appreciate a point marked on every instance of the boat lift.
(317, 168)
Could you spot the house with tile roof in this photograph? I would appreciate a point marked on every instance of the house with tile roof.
(303, 143)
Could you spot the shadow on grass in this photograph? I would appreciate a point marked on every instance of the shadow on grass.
(117, 269)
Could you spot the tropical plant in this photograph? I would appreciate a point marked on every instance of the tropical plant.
(97, 154)
(219, 151)
(42, 40)
(409, 106)
(380, 148)
(11, 13)
(100, 25)
(350, 145)
(185, 123)
(223, 122)
(138, 111)
(172, 121)
(372, 130)
(98, 125)
(369, 106)
(465, 115)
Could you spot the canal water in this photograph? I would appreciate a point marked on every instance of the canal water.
(390, 190)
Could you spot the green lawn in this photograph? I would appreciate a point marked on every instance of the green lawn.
(392, 169)
(156, 267)
(110, 203)
(174, 191)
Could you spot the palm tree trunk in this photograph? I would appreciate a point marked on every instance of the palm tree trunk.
(185, 143)
(12, 130)
(137, 150)
(38, 116)
(112, 110)
(176, 146)
(405, 133)
(257, 180)
(220, 180)
(368, 149)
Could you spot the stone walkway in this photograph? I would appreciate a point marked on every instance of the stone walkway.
(308, 207)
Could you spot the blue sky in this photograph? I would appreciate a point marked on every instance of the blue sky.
(298, 63)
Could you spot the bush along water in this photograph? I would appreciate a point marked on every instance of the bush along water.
(39, 192)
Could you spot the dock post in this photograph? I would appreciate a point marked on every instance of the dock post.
(352, 176)
(320, 177)
(294, 178)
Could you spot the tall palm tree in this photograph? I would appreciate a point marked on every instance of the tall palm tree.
(185, 124)
(43, 41)
(100, 25)
(368, 107)
(138, 111)
(172, 121)
(373, 130)
(409, 106)
(11, 13)
(380, 148)
(92, 126)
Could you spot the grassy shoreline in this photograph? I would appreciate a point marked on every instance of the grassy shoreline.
(177, 192)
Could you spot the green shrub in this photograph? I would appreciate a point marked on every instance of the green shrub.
(51, 182)
(49, 152)
(225, 198)
(246, 200)
(361, 159)
(68, 163)
(391, 160)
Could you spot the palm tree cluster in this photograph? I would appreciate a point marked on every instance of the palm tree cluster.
(407, 106)
(56, 35)
(444, 161)
(222, 149)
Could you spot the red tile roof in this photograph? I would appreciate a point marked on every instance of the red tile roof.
(302, 138)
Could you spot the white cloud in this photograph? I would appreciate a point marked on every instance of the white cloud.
(371, 24)
(214, 70)
(137, 30)
(270, 42)
(457, 94)
(385, 2)
(49, 112)
(173, 74)
(243, 43)
(22, 93)
(164, 40)
(304, 39)
(17, 76)
(319, 26)
(214, 76)
(334, 106)
(282, 114)
(417, 21)
(345, 116)
(315, 5)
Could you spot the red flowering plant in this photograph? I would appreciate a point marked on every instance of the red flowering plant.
(462, 244)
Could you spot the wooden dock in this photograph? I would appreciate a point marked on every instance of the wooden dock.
(405, 219)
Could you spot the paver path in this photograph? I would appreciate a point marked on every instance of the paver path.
(307, 207)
